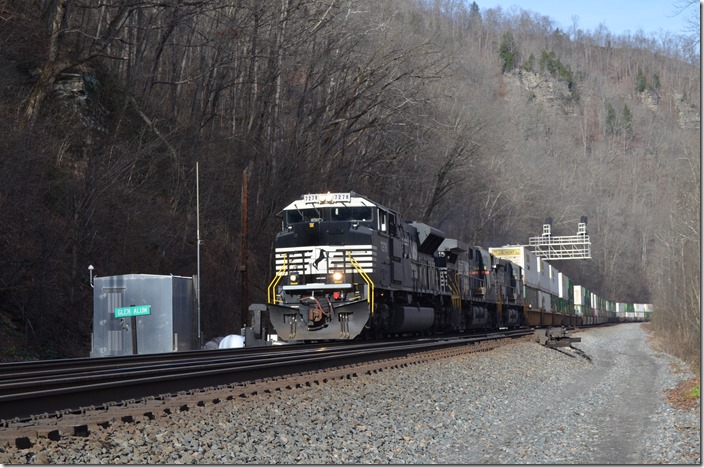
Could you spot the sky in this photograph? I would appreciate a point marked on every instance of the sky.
(619, 16)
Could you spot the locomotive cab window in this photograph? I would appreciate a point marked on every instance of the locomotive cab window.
(304, 215)
(351, 213)
(392, 224)
(361, 214)
(383, 223)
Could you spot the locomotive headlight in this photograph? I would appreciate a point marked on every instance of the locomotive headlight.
(293, 278)
(337, 277)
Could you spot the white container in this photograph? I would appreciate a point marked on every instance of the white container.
(554, 274)
(563, 286)
(595, 303)
(582, 301)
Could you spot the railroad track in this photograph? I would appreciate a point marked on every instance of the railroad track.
(72, 397)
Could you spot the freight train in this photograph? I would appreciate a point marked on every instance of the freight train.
(348, 267)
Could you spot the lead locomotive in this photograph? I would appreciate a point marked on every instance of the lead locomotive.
(347, 266)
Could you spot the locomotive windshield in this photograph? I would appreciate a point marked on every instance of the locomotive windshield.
(351, 213)
(335, 213)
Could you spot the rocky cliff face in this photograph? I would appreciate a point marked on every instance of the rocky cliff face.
(553, 93)
(76, 93)
(688, 114)
(544, 88)
(80, 119)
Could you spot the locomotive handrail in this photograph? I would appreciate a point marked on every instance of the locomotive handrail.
(270, 292)
(366, 278)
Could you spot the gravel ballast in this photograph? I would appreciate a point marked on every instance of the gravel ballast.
(522, 403)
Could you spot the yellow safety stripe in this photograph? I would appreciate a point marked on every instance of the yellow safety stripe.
(367, 279)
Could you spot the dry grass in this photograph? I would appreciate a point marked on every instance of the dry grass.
(669, 346)
(686, 395)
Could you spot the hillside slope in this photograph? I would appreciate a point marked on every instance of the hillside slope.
(477, 123)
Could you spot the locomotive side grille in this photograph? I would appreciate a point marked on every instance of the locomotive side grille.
(326, 259)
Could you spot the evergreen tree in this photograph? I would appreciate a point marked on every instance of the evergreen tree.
(508, 52)
(474, 12)
(656, 82)
(530, 63)
(641, 82)
(610, 119)
(627, 120)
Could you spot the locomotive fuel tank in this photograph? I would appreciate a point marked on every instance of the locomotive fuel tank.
(410, 319)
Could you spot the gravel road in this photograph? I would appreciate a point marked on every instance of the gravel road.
(522, 403)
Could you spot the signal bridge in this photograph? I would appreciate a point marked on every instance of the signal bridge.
(551, 247)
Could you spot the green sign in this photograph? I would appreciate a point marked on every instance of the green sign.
(131, 311)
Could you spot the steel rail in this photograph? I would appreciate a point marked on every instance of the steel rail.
(56, 389)
(49, 367)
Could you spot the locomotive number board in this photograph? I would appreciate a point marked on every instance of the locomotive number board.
(326, 197)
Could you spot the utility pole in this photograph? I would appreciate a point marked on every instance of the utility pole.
(244, 254)
(198, 242)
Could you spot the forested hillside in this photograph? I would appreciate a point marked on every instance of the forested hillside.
(480, 122)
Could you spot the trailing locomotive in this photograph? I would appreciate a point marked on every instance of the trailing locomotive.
(347, 266)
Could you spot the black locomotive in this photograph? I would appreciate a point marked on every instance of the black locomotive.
(347, 267)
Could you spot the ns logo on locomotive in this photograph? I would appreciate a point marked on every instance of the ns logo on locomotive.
(347, 267)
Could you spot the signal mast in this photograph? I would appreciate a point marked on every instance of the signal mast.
(550, 247)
